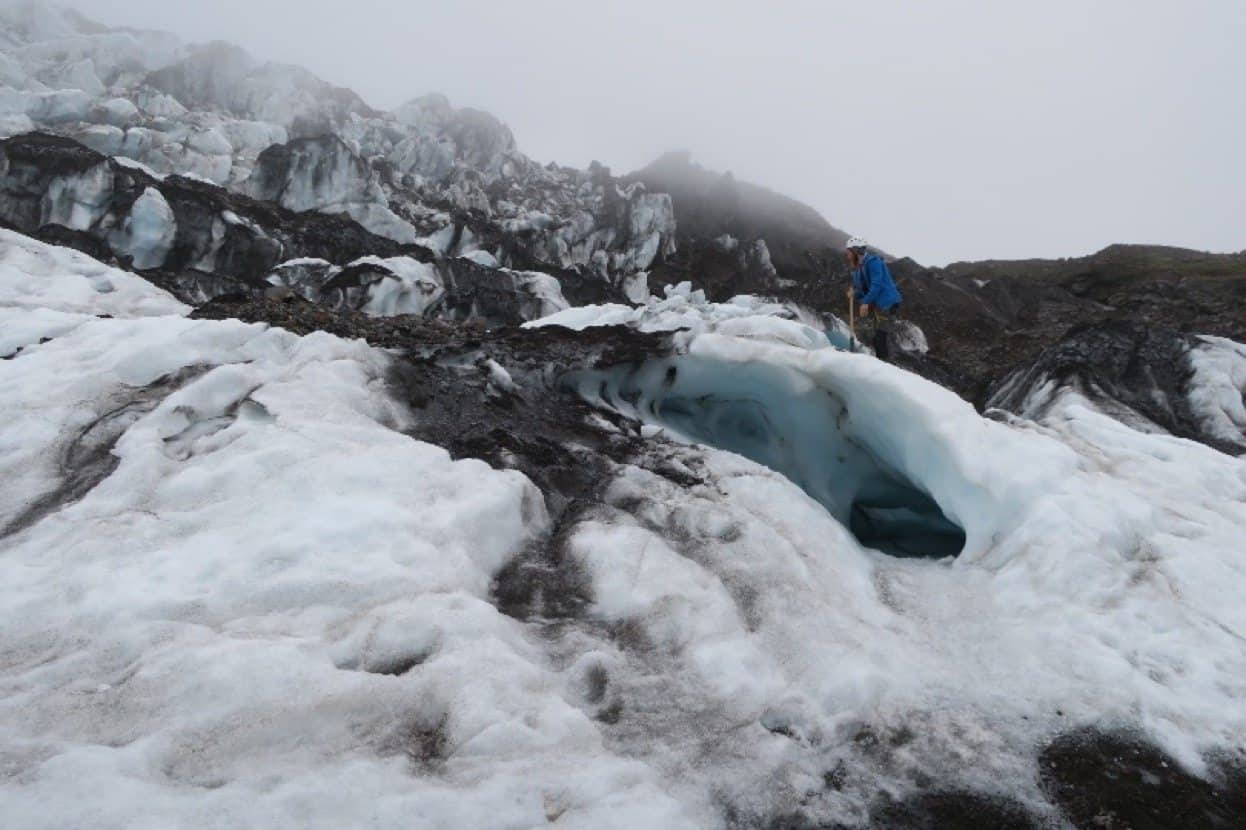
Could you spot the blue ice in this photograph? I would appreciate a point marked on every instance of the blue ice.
(777, 417)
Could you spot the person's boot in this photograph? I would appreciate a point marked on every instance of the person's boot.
(882, 342)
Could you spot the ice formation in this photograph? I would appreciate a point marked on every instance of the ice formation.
(280, 133)
(1218, 393)
(148, 232)
(235, 591)
(459, 289)
(804, 430)
(682, 308)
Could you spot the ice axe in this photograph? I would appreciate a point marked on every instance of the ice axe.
(852, 321)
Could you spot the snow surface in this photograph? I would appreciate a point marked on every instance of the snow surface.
(275, 611)
(138, 165)
(1095, 580)
(680, 307)
(683, 308)
(34, 275)
(212, 643)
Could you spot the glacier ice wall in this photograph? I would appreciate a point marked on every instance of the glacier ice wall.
(147, 234)
(426, 171)
(1218, 393)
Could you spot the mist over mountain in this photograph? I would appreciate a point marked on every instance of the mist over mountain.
(941, 132)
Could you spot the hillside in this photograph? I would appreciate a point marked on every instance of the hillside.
(720, 222)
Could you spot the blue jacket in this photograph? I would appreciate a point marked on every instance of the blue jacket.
(874, 285)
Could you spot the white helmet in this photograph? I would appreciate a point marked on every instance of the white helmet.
(857, 242)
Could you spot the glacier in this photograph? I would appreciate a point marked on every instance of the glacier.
(352, 475)
(240, 590)
(425, 171)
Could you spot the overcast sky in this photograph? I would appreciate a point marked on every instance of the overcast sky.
(943, 130)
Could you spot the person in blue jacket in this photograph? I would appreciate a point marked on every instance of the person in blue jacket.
(875, 290)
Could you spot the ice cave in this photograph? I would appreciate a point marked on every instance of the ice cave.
(775, 417)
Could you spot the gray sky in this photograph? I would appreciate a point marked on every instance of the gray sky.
(944, 130)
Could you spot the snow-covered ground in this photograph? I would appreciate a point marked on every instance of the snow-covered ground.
(1097, 584)
(235, 594)
(210, 637)
(48, 278)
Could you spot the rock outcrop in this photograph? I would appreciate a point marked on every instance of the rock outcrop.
(1144, 376)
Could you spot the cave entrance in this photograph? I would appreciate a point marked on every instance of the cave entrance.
(779, 419)
(917, 528)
